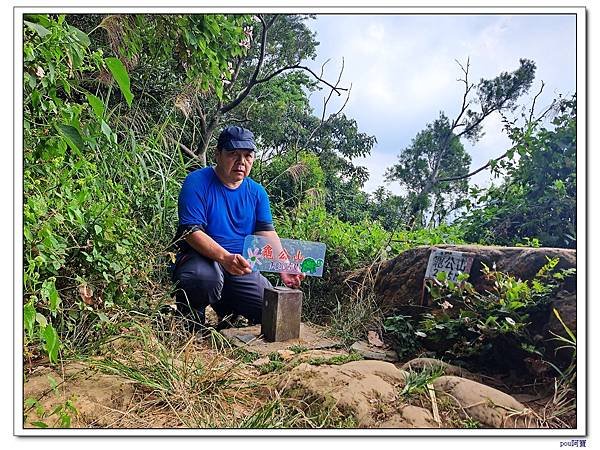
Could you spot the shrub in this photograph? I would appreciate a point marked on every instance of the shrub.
(495, 326)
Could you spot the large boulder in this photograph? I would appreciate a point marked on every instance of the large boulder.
(368, 390)
(398, 287)
(490, 407)
(398, 282)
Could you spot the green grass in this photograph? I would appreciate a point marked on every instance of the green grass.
(244, 355)
(298, 348)
(335, 360)
(288, 412)
(271, 366)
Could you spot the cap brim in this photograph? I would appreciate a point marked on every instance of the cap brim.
(234, 145)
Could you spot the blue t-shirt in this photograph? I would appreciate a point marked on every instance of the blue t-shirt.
(226, 215)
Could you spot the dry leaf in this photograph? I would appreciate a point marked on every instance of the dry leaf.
(374, 339)
(86, 294)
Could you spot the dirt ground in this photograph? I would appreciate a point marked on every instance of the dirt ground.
(229, 389)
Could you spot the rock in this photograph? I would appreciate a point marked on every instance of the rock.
(370, 352)
(286, 355)
(368, 389)
(311, 337)
(398, 286)
(261, 362)
(491, 407)
(398, 281)
(566, 305)
(212, 319)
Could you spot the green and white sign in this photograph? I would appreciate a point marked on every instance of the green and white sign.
(284, 255)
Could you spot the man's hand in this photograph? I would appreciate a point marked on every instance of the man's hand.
(292, 280)
(236, 264)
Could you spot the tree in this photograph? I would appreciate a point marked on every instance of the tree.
(432, 154)
(441, 142)
(285, 41)
(387, 208)
(207, 66)
(537, 200)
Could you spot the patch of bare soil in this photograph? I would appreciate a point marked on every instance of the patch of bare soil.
(100, 400)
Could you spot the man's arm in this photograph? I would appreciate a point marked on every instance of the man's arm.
(205, 245)
(291, 280)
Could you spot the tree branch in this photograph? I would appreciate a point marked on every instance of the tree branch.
(307, 69)
(326, 102)
(465, 102)
(236, 73)
(202, 117)
(185, 149)
(531, 111)
(489, 163)
(261, 58)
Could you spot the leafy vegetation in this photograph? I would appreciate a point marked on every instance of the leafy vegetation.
(537, 200)
(402, 334)
(417, 382)
(491, 327)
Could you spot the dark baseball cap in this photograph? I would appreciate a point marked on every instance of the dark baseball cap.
(233, 137)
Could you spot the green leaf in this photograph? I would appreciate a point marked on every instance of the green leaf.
(118, 71)
(72, 136)
(441, 276)
(567, 329)
(96, 104)
(42, 31)
(106, 130)
(97, 229)
(39, 18)
(51, 343)
(29, 318)
(81, 36)
(65, 421)
(39, 318)
(49, 290)
(39, 424)
(53, 383)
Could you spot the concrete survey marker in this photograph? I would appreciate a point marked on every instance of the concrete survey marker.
(291, 256)
(281, 311)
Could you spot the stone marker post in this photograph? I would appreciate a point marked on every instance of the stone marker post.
(281, 312)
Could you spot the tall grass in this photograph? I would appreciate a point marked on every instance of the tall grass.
(201, 382)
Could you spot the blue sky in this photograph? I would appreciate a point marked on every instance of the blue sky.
(403, 72)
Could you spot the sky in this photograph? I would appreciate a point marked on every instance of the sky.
(403, 72)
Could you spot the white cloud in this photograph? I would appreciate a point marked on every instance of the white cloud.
(377, 163)
(376, 31)
(492, 145)
(403, 71)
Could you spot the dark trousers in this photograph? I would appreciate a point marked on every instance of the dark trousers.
(201, 282)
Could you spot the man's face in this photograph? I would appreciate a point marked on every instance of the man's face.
(234, 165)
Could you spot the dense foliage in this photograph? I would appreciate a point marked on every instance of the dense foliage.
(99, 194)
(537, 201)
(496, 329)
